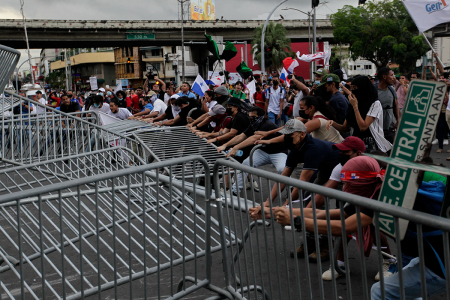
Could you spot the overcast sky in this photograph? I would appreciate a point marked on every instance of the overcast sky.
(157, 10)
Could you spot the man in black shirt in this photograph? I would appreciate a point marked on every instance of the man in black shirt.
(185, 105)
(239, 124)
(68, 106)
(275, 154)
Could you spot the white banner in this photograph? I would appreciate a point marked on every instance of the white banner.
(316, 56)
(118, 85)
(234, 77)
(93, 83)
(428, 13)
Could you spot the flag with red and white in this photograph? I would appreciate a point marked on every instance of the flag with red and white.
(284, 76)
(290, 64)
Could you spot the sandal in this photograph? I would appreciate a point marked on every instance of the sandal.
(439, 151)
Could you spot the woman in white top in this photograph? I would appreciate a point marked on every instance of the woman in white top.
(318, 113)
(365, 116)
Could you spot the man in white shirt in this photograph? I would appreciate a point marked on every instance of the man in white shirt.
(99, 106)
(159, 108)
(303, 91)
(118, 112)
(40, 110)
(275, 96)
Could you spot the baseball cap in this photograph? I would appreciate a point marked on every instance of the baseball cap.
(101, 89)
(321, 72)
(329, 78)
(351, 143)
(217, 110)
(292, 126)
(151, 93)
(174, 96)
(221, 90)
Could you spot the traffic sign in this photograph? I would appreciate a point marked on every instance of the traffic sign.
(415, 131)
(140, 35)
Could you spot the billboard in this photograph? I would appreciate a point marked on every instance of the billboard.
(203, 10)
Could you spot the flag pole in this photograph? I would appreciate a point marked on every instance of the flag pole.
(432, 49)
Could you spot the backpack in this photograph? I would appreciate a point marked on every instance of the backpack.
(392, 92)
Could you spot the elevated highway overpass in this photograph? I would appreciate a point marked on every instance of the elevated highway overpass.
(110, 33)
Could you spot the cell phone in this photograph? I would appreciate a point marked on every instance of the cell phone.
(290, 76)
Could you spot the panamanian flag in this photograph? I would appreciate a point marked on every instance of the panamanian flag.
(199, 87)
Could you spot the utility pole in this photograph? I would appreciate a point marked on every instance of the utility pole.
(315, 38)
(26, 38)
(182, 38)
(65, 68)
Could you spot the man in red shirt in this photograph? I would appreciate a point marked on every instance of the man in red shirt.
(258, 97)
(135, 100)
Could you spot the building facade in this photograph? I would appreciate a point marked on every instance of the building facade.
(83, 65)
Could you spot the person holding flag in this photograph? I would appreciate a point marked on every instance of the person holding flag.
(200, 86)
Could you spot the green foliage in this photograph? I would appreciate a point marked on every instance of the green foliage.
(276, 39)
(379, 32)
(55, 79)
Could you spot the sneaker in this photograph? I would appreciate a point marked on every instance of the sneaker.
(327, 275)
(324, 255)
(389, 269)
(255, 186)
(435, 142)
(445, 142)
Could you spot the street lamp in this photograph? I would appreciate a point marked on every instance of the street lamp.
(17, 72)
(263, 35)
(309, 34)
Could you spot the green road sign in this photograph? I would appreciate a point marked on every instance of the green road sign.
(140, 35)
(415, 131)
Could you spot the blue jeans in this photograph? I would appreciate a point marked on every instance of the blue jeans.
(411, 276)
(261, 158)
(273, 118)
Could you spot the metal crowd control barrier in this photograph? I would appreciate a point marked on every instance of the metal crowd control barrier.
(262, 265)
(164, 143)
(27, 137)
(8, 61)
(104, 234)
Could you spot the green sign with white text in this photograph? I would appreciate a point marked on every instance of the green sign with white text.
(415, 131)
(140, 35)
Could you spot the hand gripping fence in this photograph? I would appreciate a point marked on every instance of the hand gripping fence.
(257, 263)
(102, 225)
(109, 232)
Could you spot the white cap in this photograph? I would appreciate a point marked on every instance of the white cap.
(175, 96)
(101, 89)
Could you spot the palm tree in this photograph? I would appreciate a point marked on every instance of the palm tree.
(276, 39)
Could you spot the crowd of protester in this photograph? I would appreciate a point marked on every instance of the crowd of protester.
(325, 125)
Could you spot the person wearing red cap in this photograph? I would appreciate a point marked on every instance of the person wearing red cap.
(349, 148)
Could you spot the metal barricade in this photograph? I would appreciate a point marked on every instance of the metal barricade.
(256, 254)
(171, 142)
(111, 234)
(8, 61)
(30, 137)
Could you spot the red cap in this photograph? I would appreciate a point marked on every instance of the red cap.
(351, 143)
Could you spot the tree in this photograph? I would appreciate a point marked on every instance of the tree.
(55, 79)
(380, 32)
(276, 39)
